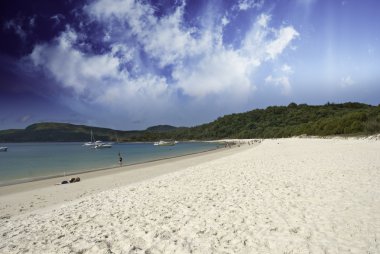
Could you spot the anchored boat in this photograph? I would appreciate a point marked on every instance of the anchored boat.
(165, 143)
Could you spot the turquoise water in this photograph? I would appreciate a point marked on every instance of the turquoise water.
(28, 161)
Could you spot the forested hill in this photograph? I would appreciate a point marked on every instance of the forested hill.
(64, 132)
(293, 120)
(272, 122)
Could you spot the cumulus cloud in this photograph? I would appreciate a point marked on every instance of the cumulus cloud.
(164, 39)
(72, 68)
(217, 73)
(224, 70)
(152, 62)
(99, 79)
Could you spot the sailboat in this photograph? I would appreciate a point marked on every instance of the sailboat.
(97, 144)
(92, 142)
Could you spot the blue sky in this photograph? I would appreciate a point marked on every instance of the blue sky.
(128, 64)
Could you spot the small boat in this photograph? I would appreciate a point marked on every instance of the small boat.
(165, 143)
(103, 145)
(100, 144)
(3, 149)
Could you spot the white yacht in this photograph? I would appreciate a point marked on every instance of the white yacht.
(99, 145)
(3, 149)
(165, 143)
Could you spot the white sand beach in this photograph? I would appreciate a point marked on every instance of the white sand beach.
(296, 195)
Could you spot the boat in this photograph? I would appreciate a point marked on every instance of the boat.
(100, 145)
(3, 149)
(92, 142)
(96, 144)
(165, 143)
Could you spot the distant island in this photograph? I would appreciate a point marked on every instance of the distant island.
(349, 119)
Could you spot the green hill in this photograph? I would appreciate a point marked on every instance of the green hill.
(55, 132)
(293, 120)
(64, 132)
(161, 128)
(272, 122)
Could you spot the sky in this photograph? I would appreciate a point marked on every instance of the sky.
(129, 64)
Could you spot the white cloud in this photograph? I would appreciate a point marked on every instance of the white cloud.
(347, 82)
(117, 8)
(227, 71)
(244, 5)
(282, 82)
(197, 63)
(225, 21)
(164, 39)
(263, 20)
(71, 67)
(98, 79)
(253, 45)
(286, 69)
(265, 43)
(284, 36)
(202, 65)
(148, 95)
(216, 73)
(168, 42)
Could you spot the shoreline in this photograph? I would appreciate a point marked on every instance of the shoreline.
(70, 173)
(30, 196)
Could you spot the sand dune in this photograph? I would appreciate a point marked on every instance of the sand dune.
(283, 196)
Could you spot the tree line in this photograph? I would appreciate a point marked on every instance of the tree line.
(273, 122)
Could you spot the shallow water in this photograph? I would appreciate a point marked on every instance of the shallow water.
(28, 161)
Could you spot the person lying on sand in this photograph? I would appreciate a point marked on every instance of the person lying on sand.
(72, 180)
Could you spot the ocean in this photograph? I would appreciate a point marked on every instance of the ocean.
(25, 162)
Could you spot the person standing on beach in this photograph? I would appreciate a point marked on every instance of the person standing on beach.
(120, 160)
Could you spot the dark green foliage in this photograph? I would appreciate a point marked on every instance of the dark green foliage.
(280, 121)
(272, 122)
(56, 132)
(161, 128)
